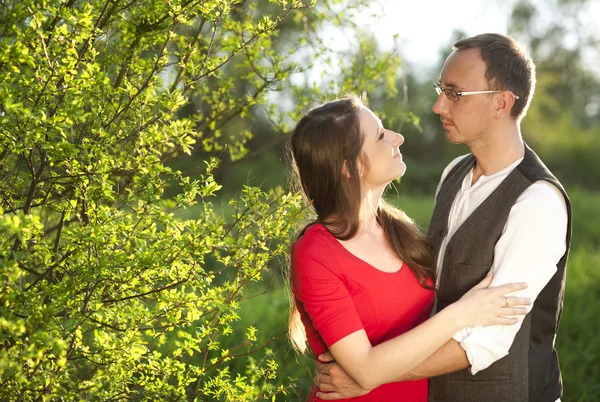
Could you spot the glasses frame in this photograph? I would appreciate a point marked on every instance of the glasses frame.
(439, 89)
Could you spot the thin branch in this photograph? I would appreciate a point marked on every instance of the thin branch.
(7, 202)
(57, 18)
(59, 234)
(172, 285)
(144, 86)
(6, 26)
(42, 39)
(27, 269)
(50, 270)
(127, 61)
(105, 324)
(212, 335)
(235, 52)
(187, 57)
(264, 345)
(102, 19)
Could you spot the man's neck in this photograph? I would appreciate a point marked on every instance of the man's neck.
(496, 152)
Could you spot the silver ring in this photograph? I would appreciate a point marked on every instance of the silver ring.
(506, 301)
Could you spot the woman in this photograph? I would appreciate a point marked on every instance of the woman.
(362, 274)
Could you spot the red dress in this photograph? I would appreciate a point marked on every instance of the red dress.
(338, 294)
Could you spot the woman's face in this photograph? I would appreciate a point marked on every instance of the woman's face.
(381, 148)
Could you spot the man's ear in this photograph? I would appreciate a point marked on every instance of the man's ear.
(504, 103)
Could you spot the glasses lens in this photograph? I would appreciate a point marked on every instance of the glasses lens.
(451, 94)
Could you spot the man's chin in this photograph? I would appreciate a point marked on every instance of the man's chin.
(451, 138)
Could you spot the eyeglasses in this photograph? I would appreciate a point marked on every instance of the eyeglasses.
(454, 96)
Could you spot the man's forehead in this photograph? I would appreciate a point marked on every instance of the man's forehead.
(463, 68)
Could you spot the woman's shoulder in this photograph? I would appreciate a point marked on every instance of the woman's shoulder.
(316, 242)
(314, 255)
(315, 236)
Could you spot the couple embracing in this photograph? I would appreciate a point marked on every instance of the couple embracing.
(468, 313)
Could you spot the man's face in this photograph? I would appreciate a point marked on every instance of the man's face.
(466, 121)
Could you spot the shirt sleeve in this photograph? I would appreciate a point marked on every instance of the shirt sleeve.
(325, 298)
(532, 243)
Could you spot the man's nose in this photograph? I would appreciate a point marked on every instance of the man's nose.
(440, 105)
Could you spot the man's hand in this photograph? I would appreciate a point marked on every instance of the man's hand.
(333, 382)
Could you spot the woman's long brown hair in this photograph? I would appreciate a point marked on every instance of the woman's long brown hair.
(328, 137)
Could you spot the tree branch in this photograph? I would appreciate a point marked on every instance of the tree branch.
(183, 69)
(144, 86)
(172, 285)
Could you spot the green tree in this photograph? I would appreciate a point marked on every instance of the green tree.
(106, 293)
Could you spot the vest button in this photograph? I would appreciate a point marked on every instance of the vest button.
(448, 251)
(441, 233)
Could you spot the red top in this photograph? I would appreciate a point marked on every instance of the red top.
(338, 294)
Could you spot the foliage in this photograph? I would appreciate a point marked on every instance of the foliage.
(96, 272)
(106, 292)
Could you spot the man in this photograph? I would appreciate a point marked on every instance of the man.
(498, 208)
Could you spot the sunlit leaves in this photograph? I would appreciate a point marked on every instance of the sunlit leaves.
(105, 292)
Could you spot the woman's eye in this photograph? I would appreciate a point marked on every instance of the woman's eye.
(381, 135)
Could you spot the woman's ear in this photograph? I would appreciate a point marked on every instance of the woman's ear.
(361, 168)
(345, 171)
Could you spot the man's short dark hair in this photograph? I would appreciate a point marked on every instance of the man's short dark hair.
(508, 67)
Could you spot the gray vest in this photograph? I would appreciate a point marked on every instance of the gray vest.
(530, 371)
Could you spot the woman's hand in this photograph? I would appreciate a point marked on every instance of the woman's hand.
(486, 306)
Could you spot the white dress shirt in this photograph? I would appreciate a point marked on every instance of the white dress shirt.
(531, 244)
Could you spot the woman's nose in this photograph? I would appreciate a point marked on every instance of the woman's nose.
(399, 140)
